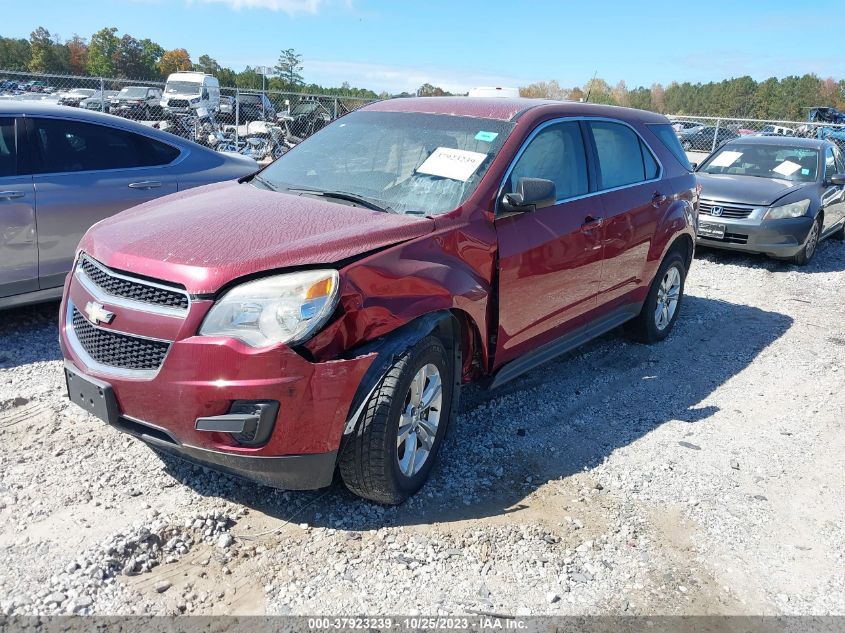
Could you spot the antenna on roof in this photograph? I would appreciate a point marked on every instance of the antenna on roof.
(587, 98)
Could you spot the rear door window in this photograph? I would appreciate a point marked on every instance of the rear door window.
(8, 154)
(623, 159)
(556, 154)
(69, 146)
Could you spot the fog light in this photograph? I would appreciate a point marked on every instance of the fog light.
(250, 422)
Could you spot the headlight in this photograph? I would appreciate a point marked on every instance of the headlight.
(791, 210)
(196, 100)
(281, 309)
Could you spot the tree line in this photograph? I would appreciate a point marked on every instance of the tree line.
(109, 54)
(788, 98)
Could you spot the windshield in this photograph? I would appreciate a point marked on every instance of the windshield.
(133, 92)
(304, 108)
(405, 162)
(248, 98)
(764, 161)
(183, 87)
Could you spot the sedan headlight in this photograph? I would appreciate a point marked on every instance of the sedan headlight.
(791, 210)
(281, 309)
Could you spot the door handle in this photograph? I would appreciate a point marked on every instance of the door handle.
(657, 199)
(11, 195)
(147, 184)
(591, 222)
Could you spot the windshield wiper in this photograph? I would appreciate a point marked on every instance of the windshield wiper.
(264, 182)
(343, 195)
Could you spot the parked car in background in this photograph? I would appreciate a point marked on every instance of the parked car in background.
(63, 169)
(773, 195)
(9, 86)
(255, 106)
(684, 126)
(227, 109)
(820, 114)
(304, 119)
(137, 102)
(776, 130)
(74, 97)
(98, 102)
(187, 92)
(701, 139)
(325, 312)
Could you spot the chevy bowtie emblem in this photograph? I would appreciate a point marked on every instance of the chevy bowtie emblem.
(97, 313)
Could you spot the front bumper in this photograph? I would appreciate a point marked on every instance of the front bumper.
(776, 238)
(202, 376)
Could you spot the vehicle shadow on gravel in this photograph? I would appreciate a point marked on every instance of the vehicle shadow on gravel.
(830, 258)
(29, 335)
(546, 425)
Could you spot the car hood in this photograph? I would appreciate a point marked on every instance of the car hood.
(745, 189)
(206, 237)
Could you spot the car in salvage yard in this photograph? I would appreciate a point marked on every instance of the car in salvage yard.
(63, 169)
(325, 312)
(774, 195)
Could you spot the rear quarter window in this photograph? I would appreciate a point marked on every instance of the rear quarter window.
(666, 134)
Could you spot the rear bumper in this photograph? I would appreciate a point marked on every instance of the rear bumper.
(776, 238)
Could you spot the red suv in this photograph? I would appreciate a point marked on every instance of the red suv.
(325, 312)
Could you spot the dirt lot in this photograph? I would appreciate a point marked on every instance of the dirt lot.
(702, 475)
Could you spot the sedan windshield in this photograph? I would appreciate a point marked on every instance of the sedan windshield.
(764, 161)
(402, 162)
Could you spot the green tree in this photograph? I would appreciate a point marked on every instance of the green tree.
(289, 68)
(151, 54)
(207, 64)
(101, 52)
(128, 59)
(14, 53)
(42, 55)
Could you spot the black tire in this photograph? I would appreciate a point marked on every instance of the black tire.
(811, 244)
(644, 328)
(368, 460)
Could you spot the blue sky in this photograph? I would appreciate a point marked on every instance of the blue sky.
(398, 45)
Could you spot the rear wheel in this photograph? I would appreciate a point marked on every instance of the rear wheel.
(663, 303)
(390, 454)
(811, 244)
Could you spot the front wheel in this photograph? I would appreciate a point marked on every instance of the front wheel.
(663, 303)
(811, 244)
(391, 452)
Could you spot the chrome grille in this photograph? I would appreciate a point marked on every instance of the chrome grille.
(728, 210)
(178, 103)
(132, 289)
(116, 349)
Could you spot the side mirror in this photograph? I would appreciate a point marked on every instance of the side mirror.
(531, 194)
(837, 179)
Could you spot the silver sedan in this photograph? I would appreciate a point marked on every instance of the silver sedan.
(63, 169)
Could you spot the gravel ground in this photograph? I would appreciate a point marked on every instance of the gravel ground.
(701, 475)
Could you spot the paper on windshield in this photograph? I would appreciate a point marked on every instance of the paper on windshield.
(725, 159)
(456, 164)
(787, 168)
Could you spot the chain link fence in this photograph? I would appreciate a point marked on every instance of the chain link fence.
(259, 123)
(700, 136)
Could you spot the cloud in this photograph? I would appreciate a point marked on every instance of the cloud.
(291, 7)
(397, 79)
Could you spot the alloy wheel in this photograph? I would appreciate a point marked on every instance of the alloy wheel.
(668, 295)
(419, 420)
(812, 240)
